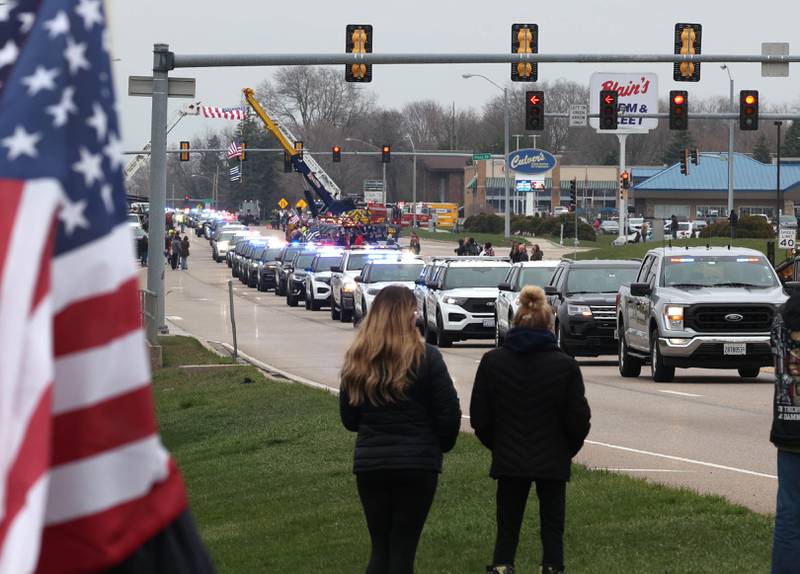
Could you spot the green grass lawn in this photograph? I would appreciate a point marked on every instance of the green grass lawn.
(638, 250)
(268, 469)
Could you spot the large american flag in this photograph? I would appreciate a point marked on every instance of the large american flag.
(84, 478)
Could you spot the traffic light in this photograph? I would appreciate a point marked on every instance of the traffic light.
(184, 155)
(336, 151)
(524, 40)
(358, 40)
(687, 42)
(695, 156)
(625, 180)
(685, 161)
(287, 162)
(185, 198)
(386, 154)
(748, 110)
(243, 156)
(678, 108)
(608, 109)
(573, 194)
(534, 110)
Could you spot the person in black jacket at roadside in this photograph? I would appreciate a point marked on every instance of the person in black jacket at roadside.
(785, 435)
(397, 394)
(528, 407)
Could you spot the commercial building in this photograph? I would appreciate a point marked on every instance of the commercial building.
(704, 192)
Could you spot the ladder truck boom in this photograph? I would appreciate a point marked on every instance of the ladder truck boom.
(316, 177)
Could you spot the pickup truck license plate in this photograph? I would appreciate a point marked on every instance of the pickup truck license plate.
(734, 349)
(488, 322)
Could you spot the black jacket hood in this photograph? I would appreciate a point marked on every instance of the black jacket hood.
(520, 340)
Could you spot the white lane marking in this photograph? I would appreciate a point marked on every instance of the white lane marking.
(682, 459)
(680, 393)
(637, 469)
(174, 318)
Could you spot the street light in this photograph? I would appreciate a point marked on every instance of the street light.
(373, 146)
(507, 222)
(730, 144)
(413, 184)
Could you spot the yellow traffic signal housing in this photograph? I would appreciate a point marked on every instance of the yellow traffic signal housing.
(687, 42)
(358, 40)
(184, 155)
(625, 180)
(524, 40)
(243, 157)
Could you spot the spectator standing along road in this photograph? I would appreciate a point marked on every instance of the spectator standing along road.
(176, 251)
(673, 226)
(522, 252)
(528, 407)
(733, 218)
(488, 250)
(785, 435)
(414, 243)
(397, 394)
(185, 253)
(536, 253)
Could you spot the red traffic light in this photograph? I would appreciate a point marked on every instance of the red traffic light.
(750, 99)
(609, 99)
(535, 99)
(678, 99)
(336, 149)
(386, 149)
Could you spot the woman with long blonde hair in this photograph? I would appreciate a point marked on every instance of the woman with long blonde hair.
(528, 407)
(397, 395)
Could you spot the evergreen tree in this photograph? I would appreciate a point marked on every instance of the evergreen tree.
(791, 141)
(681, 139)
(761, 150)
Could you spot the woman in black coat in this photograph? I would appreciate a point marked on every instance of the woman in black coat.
(528, 407)
(397, 395)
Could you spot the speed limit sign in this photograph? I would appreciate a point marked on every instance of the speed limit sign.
(787, 238)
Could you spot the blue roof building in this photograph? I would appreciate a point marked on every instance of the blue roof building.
(704, 192)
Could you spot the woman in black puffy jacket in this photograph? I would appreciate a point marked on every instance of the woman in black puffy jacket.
(528, 407)
(397, 394)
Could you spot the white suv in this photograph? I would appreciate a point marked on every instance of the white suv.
(521, 274)
(318, 280)
(461, 299)
(343, 278)
(379, 274)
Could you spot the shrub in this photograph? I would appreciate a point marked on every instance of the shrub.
(551, 226)
(749, 227)
(484, 223)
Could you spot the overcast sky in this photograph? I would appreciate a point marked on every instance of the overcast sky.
(316, 26)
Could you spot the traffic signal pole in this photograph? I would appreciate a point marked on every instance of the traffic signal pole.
(506, 131)
(623, 208)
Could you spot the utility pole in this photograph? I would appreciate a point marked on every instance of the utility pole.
(778, 194)
(730, 142)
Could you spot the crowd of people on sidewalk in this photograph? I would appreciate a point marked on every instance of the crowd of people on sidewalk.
(176, 250)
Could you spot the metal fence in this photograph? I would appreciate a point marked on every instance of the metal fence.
(148, 306)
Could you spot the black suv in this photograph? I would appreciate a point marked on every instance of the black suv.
(267, 267)
(583, 296)
(285, 266)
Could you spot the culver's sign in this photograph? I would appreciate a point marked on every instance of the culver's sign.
(530, 161)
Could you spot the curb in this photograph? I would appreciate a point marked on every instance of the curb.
(274, 370)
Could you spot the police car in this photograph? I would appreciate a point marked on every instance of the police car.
(318, 278)
(379, 274)
(521, 274)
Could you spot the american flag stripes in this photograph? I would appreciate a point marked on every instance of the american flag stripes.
(236, 174)
(234, 150)
(223, 113)
(84, 479)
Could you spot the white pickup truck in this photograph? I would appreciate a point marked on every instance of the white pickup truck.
(698, 307)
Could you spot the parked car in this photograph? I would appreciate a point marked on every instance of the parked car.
(609, 226)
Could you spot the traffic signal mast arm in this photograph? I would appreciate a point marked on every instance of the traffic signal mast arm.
(319, 181)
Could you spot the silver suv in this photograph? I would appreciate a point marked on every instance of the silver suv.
(698, 307)
(461, 298)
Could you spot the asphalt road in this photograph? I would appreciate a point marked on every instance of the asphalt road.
(708, 430)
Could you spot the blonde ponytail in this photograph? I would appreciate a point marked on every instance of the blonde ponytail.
(534, 311)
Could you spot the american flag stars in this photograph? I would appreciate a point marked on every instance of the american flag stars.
(21, 143)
